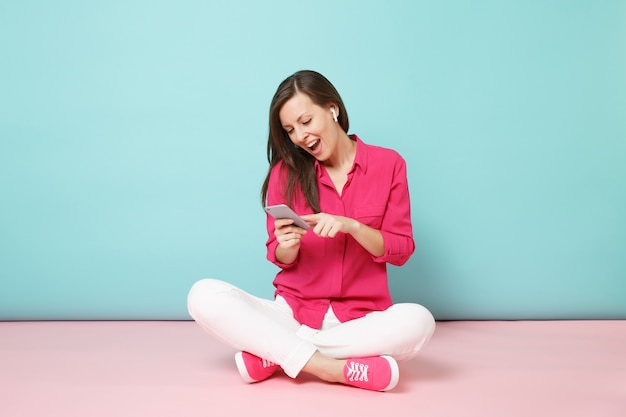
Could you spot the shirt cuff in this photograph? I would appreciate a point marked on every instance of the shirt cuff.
(398, 249)
(271, 256)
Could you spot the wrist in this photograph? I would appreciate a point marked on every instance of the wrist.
(286, 255)
(355, 227)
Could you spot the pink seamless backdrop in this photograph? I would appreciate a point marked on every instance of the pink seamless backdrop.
(171, 368)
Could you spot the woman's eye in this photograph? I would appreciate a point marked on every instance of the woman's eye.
(306, 122)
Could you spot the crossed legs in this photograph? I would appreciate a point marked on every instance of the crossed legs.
(267, 329)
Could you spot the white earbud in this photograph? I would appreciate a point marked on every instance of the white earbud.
(332, 110)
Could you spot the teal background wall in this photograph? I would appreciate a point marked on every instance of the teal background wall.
(132, 148)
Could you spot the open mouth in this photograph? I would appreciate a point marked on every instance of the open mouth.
(314, 146)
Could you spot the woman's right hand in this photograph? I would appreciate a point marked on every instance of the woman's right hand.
(289, 238)
(288, 235)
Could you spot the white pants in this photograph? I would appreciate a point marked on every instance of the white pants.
(267, 328)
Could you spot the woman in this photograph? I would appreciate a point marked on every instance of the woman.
(332, 315)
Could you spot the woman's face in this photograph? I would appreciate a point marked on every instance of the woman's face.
(310, 126)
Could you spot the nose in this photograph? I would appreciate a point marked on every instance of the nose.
(300, 134)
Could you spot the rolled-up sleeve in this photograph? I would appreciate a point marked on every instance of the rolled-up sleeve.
(396, 226)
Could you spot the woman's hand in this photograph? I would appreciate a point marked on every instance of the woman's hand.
(288, 235)
(327, 225)
(289, 238)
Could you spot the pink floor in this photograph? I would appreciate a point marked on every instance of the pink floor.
(493, 368)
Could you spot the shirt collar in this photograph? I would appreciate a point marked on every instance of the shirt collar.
(360, 160)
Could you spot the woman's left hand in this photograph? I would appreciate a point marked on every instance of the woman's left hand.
(327, 225)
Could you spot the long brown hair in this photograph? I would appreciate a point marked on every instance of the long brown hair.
(298, 163)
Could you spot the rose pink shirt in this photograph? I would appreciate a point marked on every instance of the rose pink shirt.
(338, 271)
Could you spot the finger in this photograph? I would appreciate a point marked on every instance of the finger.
(295, 234)
(322, 229)
(333, 231)
(311, 218)
(292, 243)
(280, 223)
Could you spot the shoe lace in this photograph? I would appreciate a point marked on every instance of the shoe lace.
(357, 371)
(267, 364)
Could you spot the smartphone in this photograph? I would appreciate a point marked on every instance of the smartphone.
(282, 211)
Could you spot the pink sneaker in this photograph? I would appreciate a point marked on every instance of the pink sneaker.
(254, 369)
(378, 373)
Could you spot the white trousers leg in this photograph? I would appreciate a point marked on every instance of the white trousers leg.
(400, 331)
(266, 328)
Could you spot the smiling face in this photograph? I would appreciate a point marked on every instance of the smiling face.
(310, 126)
